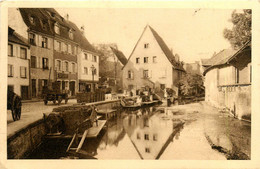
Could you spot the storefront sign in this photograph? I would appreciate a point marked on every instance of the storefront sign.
(63, 75)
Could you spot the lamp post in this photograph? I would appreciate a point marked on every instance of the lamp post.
(93, 73)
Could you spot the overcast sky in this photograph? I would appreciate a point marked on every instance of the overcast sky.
(193, 35)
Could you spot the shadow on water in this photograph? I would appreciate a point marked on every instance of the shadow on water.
(140, 134)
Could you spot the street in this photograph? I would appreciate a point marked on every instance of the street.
(31, 112)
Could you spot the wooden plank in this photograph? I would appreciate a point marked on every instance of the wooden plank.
(104, 111)
(95, 130)
(74, 136)
(82, 140)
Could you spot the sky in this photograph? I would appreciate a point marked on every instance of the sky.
(193, 35)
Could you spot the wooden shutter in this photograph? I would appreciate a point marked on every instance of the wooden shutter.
(48, 43)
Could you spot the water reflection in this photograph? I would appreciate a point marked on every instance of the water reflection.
(140, 134)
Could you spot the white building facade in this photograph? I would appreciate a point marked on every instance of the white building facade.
(18, 65)
(151, 64)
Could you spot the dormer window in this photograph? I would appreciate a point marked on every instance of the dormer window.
(70, 34)
(32, 19)
(146, 45)
(57, 28)
(44, 25)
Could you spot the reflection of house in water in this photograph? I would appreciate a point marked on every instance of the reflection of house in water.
(146, 133)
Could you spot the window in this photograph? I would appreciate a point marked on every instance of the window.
(45, 64)
(70, 34)
(130, 75)
(146, 45)
(23, 53)
(10, 88)
(44, 42)
(145, 74)
(32, 19)
(138, 136)
(73, 68)
(154, 59)
(66, 66)
(44, 25)
(155, 137)
(59, 46)
(23, 72)
(147, 150)
(32, 39)
(145, 59)
(85, 70)
(86, 56)
(10, 50)
(58, 65)
(137, 60)
(95, 71)
(10, 70)
(33, 62)
(146, 136)
(57, 28)
(95, 58)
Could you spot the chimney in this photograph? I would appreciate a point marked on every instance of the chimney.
(82, 29)
(67, 17)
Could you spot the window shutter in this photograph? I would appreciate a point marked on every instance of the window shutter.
(132, 75)
(150, 73)
(40, 41)
(40, 62)
(37, 40)
(70, 67)
(48, 43)
(76, 70)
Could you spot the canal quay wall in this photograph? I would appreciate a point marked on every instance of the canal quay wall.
(27, 139)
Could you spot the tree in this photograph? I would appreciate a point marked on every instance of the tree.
(191, 85)
(241, 31)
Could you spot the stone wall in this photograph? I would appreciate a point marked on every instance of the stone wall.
(26, 140)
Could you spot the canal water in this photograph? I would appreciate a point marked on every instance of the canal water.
(147, 133)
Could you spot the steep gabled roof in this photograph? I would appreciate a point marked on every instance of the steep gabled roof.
(166, 50)
(163, 46)
(121, 57)
(16, 38)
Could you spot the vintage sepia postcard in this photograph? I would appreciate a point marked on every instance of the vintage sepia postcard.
(97, 84)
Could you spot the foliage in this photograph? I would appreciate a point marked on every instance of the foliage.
(191, 84)
(241, 31)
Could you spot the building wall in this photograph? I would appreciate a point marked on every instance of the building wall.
(223, 89)
(87, 63)
(62, 75)
(39, 73)
(160, 72)
(17, 81)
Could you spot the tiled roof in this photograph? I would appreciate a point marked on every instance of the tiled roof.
(51, 16)
(16, 38)
(166, 50)
(81, 39)
(121, 57)
(225, 56)
(39, 16)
